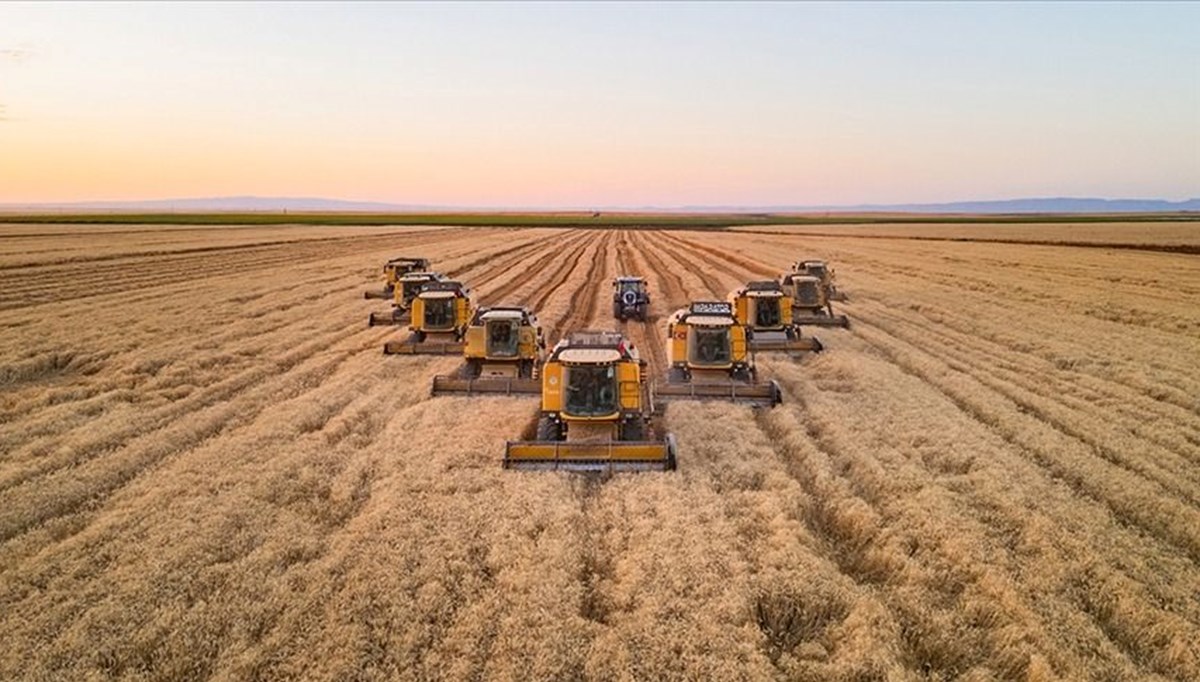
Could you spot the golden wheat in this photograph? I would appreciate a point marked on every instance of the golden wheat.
(210, 470)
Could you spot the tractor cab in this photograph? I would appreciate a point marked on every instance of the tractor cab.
(631, 298)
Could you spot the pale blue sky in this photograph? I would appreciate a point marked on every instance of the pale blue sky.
(600, 104)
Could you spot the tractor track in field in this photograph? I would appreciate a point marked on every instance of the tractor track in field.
(570, 263)
(578, 315)
(644, 334)
(542, 257)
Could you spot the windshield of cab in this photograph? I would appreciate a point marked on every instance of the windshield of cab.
(807, 293)
(439, 313)
(411, 289)
(766, 312)
(817, 270)
(591, 390)
(502, 338)
(635, 287)
(710, 346)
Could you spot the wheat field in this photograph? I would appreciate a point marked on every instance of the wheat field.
(210, 471)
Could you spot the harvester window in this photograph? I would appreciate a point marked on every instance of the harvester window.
(439, 313)
(591, 391)
(502, 338)
(411, 289)
(817, 271)
(710, 346)
(807, 293)
(766, 312)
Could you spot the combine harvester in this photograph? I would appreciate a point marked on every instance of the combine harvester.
(710, 359)
(596, 411)
(393, 270)
(766, 310)
(630, 298)
(440, 316)
(822, 271)
(502, 353)
(810, 306)
(405, 290)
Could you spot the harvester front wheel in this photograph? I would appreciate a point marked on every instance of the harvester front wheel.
(549, 428)
(633, 430)
(472, 369)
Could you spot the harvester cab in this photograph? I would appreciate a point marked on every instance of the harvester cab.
(630, 298)
(393, 270)
(810, 306)
(822, 271)
(711, 359)
(502, 351)
(596, 411)
(766, 310)
(440, 316)
(406, 289)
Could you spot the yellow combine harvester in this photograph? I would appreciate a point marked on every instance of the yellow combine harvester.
(766, 310)
(393, 270)
(503, 350)
(810, 307)
(405, 290)
(822, 271)
(440, 315)
(596, 411)
(710, 359)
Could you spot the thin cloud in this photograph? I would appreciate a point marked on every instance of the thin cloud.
(16, 55)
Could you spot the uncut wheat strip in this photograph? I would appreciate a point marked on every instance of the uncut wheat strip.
(59, 248)
(32, 286)
(286, 311)
(1166, 313)
(445, 538)
(1033, 513)
(1155, 233)
(245, 480)
(799, 595)
(1099, 291)
(69, 285)
(946, 461)
(101, 299)
(63, 284)
(1094, 420)
(1140, 275)
(1101, 354)
(1171, 376)
(1093, 298)
(1131, 498)
(75, 471)
(1180, 427)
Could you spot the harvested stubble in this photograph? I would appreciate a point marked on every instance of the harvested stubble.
(209, 469)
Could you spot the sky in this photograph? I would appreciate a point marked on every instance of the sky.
(605, 104)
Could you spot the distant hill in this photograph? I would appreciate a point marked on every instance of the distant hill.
(1049, 205)
(319, 205)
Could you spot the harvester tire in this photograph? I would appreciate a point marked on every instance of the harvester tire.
(633, 430)
(548, 429)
